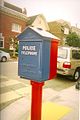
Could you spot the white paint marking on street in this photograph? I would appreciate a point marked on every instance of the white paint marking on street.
(12, 82)
(24, 91)
(5, 97)
(13, 94)
(2, 85)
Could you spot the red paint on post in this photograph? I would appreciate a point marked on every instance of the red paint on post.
(53, 58)
(36, 104)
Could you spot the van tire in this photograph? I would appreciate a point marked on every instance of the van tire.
(76, 75)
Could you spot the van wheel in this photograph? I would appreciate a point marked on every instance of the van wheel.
(76, 75)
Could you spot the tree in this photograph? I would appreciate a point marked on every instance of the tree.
(73, 40)
(14, 43)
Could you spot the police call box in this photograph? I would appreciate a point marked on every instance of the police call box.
(37, 54)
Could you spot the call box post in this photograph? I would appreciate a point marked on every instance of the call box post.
(36, 96)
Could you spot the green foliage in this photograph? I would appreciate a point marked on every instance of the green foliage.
(14, 43)
(17, 47)
(73, 40)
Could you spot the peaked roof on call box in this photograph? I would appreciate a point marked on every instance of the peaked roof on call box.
(39, 31)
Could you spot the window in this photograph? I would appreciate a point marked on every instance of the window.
(16, 28)
(76, 54)
(1, 41)
(62, 53)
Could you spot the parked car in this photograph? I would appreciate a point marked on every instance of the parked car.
(68, 62)
(4, 56)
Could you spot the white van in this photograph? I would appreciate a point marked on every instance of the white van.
(68, 62)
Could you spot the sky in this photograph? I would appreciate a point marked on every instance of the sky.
(68, 10)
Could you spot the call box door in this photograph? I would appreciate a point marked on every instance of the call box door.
(30, 59)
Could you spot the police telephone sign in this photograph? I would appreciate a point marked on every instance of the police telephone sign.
(30, 59)
(29, 50)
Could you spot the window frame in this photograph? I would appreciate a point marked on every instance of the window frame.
(64, 50)
(2, 41)
(16, 27)
(76, 54)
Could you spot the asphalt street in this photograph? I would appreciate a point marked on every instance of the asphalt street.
(10, 70)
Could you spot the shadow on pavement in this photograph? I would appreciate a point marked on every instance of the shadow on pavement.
(59, 83)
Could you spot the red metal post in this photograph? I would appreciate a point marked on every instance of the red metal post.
(36, 104)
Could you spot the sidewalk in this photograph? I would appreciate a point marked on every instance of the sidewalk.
(65, 101)
(13, 59)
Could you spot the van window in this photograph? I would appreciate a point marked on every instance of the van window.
(62, 53)
(76, 54)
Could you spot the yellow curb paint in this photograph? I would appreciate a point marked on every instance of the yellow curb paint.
(53, 111)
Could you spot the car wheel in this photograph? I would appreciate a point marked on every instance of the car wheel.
(76, 75)
(3, 59)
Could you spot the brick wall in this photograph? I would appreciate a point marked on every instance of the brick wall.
(6, 27)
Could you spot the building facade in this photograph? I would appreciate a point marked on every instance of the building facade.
(60, 28)
(76, 30)
(13, 21)
(38, 21)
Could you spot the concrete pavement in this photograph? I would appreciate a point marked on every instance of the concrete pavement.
(65, 100)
